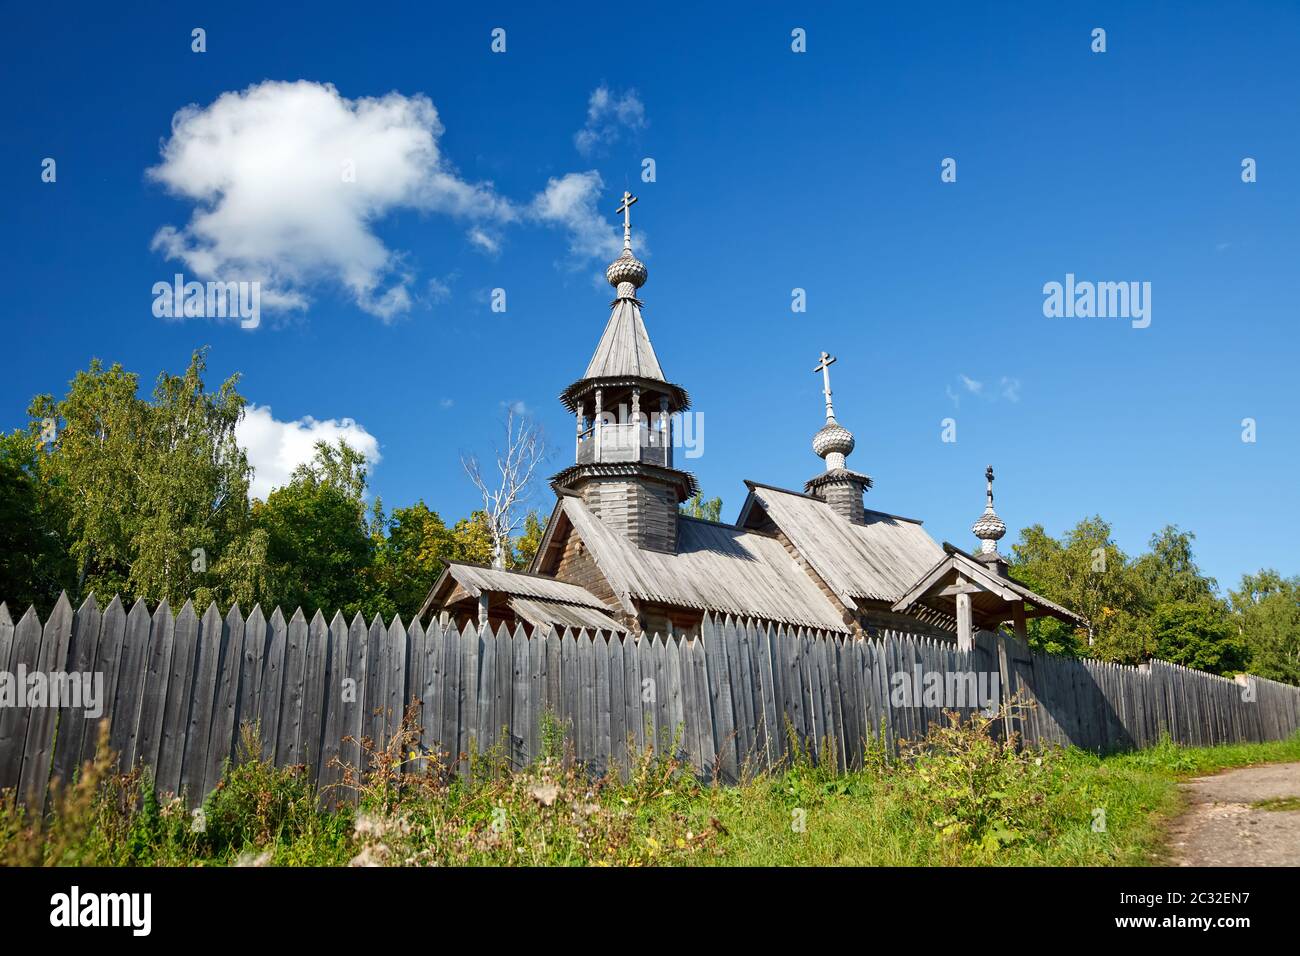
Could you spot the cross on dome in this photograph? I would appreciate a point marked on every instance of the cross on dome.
(626, 209)
(833, 442)
(627, 273)
(989, 528)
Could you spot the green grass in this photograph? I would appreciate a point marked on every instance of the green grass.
(957, 798)
(1278, 803)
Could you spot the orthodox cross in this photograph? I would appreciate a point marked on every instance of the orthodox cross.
(824, 366)
(988, 474)
(626, 210)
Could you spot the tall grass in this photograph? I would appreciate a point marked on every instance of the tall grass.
(958, 797)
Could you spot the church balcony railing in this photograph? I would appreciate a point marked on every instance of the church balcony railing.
(625, 442)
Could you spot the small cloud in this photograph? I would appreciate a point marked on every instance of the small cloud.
(437, 291)
(1220, 246)
(276, 448)
(609, 114)
(570, 201)
(517, 407)
(446, 403)
(480, 238)
(1008, 389)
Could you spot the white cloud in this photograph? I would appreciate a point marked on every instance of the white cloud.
(289, 180)
(570, 202)
(485, 240)
(608, 115)
(276, 448)
(1008, 389)
(268, 169)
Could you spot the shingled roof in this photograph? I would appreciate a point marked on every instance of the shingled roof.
(717, 568)
(877, 560)
(533, 598)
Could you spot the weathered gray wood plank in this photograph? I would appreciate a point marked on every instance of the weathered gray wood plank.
(24, 656)
(128, 697)
(153, 702)
(87, 626)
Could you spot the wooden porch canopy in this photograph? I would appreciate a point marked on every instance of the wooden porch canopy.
(979, 595)
(491, 595)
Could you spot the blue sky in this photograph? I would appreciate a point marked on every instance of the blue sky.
(774, 170)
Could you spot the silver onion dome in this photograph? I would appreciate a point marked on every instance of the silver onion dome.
(626, 269)
(989, 528)
(833, 438)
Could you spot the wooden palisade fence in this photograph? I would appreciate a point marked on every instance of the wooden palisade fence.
(177, 687)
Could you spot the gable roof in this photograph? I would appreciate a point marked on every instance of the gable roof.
(877, 560)
(991, 604)
(717, 567)
(476, 579)
(543, 613)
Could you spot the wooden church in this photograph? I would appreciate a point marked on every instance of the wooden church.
(619, 556)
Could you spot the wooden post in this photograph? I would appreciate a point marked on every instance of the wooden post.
(599, 425)
(1018, 620)
(965, 640)
(665, 436)
(482, 610)
(578, 445)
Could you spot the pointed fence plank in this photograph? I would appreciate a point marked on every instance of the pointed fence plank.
(199, 727)
(68, 748)
(312, 730)
(56, 639)
(124, 710)
(352, 692)
(24, 659)
(175, 692)
(157, 677)
(521, 715)
(336, 671)
(273, 683)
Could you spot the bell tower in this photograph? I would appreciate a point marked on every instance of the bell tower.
(623, 454)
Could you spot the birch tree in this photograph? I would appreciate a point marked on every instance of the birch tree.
(505, 492)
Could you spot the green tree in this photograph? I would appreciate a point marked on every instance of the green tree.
(319, 542)
(473, 538)
(1266, 613)
(91, 470)
(697, 506)
(526, 544)
(409, 556)
(195, 535)
(1088, 573)
(153, 495)
(34, 561)
(1196, 634)
(1168, 572)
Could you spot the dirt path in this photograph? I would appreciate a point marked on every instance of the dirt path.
(1221, 828)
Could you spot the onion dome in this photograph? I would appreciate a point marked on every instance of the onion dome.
(627, 273)
(989, 528)
(833, 439)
